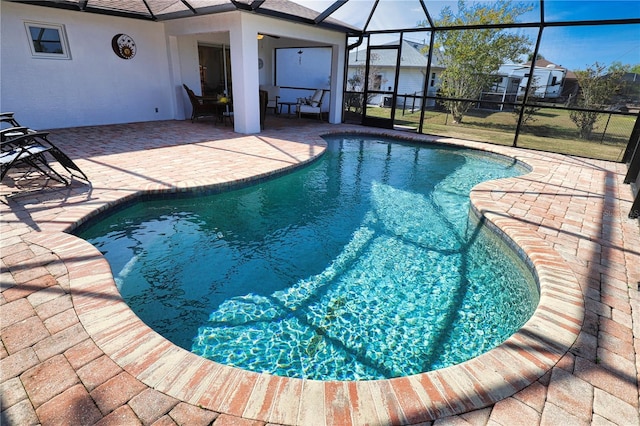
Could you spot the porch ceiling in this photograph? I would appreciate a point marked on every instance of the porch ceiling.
(354, 17)
(163, 10)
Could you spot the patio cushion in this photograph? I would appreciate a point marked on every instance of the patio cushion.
(315, 99)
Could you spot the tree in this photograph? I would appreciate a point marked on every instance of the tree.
(538, 57)
(530, 108)
(470, 57)
(618, 66)
(629, 90)
(598, 85)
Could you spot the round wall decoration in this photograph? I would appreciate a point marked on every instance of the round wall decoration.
(260, 63)
(123, 46)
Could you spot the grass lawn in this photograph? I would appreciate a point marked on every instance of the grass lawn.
(548, 130)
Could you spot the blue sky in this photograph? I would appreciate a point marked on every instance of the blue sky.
(577, 47)
(574, 47)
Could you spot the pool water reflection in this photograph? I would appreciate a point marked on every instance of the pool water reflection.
(363, 265)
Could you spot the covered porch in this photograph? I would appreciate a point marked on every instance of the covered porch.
(93, 83)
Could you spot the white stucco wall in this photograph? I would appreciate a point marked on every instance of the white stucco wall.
(93, 87)
(97, 87)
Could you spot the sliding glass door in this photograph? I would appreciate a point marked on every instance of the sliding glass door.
(215, 70)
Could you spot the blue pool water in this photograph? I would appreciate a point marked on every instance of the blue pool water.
(363, 265)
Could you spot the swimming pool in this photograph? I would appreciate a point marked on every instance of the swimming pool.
(350, 241)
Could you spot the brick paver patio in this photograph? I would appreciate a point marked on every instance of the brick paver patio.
(73, 353)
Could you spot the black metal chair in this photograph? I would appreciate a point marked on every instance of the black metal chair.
(7, 117)
(24, 151)
(12, 132)
(29, 148)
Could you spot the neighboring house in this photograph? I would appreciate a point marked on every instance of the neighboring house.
(570, 87)
(512, 79)
(551, 79)
(64, 67)
(413, 67)
(629, 95)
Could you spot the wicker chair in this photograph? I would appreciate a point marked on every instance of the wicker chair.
(273, 97)
(201, 108)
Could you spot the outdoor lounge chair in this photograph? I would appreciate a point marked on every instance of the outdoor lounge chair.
(30, 148)
(26, 150)
(200, 107)
(312, 105)
(10, 127)
(7, 119)
(10, 133)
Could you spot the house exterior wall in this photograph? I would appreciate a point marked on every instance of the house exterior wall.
(94, 86)
(433, 86)
(411, 81)
(552, 90)
(543, 83)
(543, 80)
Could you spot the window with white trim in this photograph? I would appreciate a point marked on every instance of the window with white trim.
(47, 40)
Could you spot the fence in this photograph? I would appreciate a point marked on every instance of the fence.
(547, 127)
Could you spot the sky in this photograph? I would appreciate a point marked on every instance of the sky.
(571, 47)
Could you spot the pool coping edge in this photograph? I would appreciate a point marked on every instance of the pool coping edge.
(477, 383)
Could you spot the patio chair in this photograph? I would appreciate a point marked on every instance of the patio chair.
(273, 97)
(7, 119)
(9, 127)
(26, 150)
(23, 145)
(312, 105)
(200, 107)
(264, 100)
(10, 133)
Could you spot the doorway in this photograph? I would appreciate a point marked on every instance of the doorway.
(215, 70)
(380, 94)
